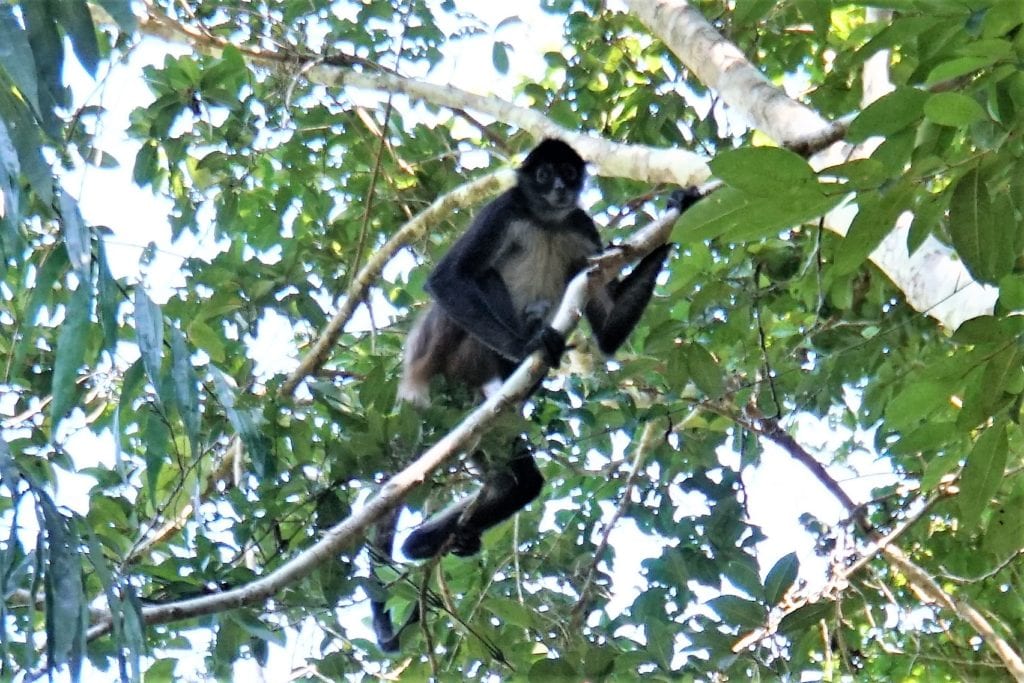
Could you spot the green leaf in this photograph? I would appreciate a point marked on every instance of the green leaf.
(149, 334)
(1004, 533)
(10, 179)
(65, 600)
(781, 578)
(876, 218)
(186, 385)
(960, 66)
(48, 52)
(762, 171)
(953, 109)
(888, 114)
(916, 402)
(109, 298)
(16, 56)
(735, 215)
(982, 474)
(499, 56)
(121, 12)
(552, 670)
(77, 22)
(978, 235)
(704, 370)
(77, 238)
(807, 617)
(737, 611)
(246, 423)
(70, 354)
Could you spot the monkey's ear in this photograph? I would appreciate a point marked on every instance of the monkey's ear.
(684, 198)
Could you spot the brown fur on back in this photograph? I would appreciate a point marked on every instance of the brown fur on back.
(536, 264)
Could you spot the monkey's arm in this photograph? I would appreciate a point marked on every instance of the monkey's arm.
(615, 313)
(472, 293)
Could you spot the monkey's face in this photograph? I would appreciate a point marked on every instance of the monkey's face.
(553, 188)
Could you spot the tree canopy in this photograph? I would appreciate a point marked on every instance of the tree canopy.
(226, 394)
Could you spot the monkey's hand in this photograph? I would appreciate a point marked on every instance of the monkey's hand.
(551, 342)
(683, 198)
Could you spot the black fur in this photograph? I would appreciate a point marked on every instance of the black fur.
(494, 294)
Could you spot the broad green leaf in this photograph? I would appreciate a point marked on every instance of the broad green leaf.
(736, 216)
(937, 468)
(1004, 534)
(957, 67)
(157, 436)
(953, 109)
(876, 217)
(552, 670)
(780, 578)
(70, 355)
(979, 236)
(983, 329)
(704, 370)
(149, 334)
(1003, 368)
(26, 137)
(512, 612)
(982, 474)
(10, 177)
(737, 611)
(888, 114)
(762, 171)
(916, 402)
(804, 618)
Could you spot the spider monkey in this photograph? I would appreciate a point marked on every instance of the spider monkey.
(494, 295)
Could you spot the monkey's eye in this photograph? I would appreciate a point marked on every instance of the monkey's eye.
(544, 175)
(569, 173)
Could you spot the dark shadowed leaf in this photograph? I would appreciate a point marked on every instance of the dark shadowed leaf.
(979, 235)
(186, 386)
(71, 345)
(149, 333)
(77, 22)
(738, 611)
(76, 236)
(780, 578)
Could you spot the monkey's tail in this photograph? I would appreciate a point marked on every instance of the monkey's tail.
(381, 549)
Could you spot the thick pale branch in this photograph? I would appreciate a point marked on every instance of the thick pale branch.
(721, 66)
(638, 162)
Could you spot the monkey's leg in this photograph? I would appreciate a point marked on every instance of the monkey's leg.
(380, 553)
(506, 490)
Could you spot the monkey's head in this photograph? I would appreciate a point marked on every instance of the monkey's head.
(551, 178)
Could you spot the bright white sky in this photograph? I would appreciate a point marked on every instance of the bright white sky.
(780, 490)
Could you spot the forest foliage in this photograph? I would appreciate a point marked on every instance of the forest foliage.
(215, 473)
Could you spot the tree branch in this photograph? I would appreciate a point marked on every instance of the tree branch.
(915, 575)
(720, 65)
(638, 162)
(350, 530)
